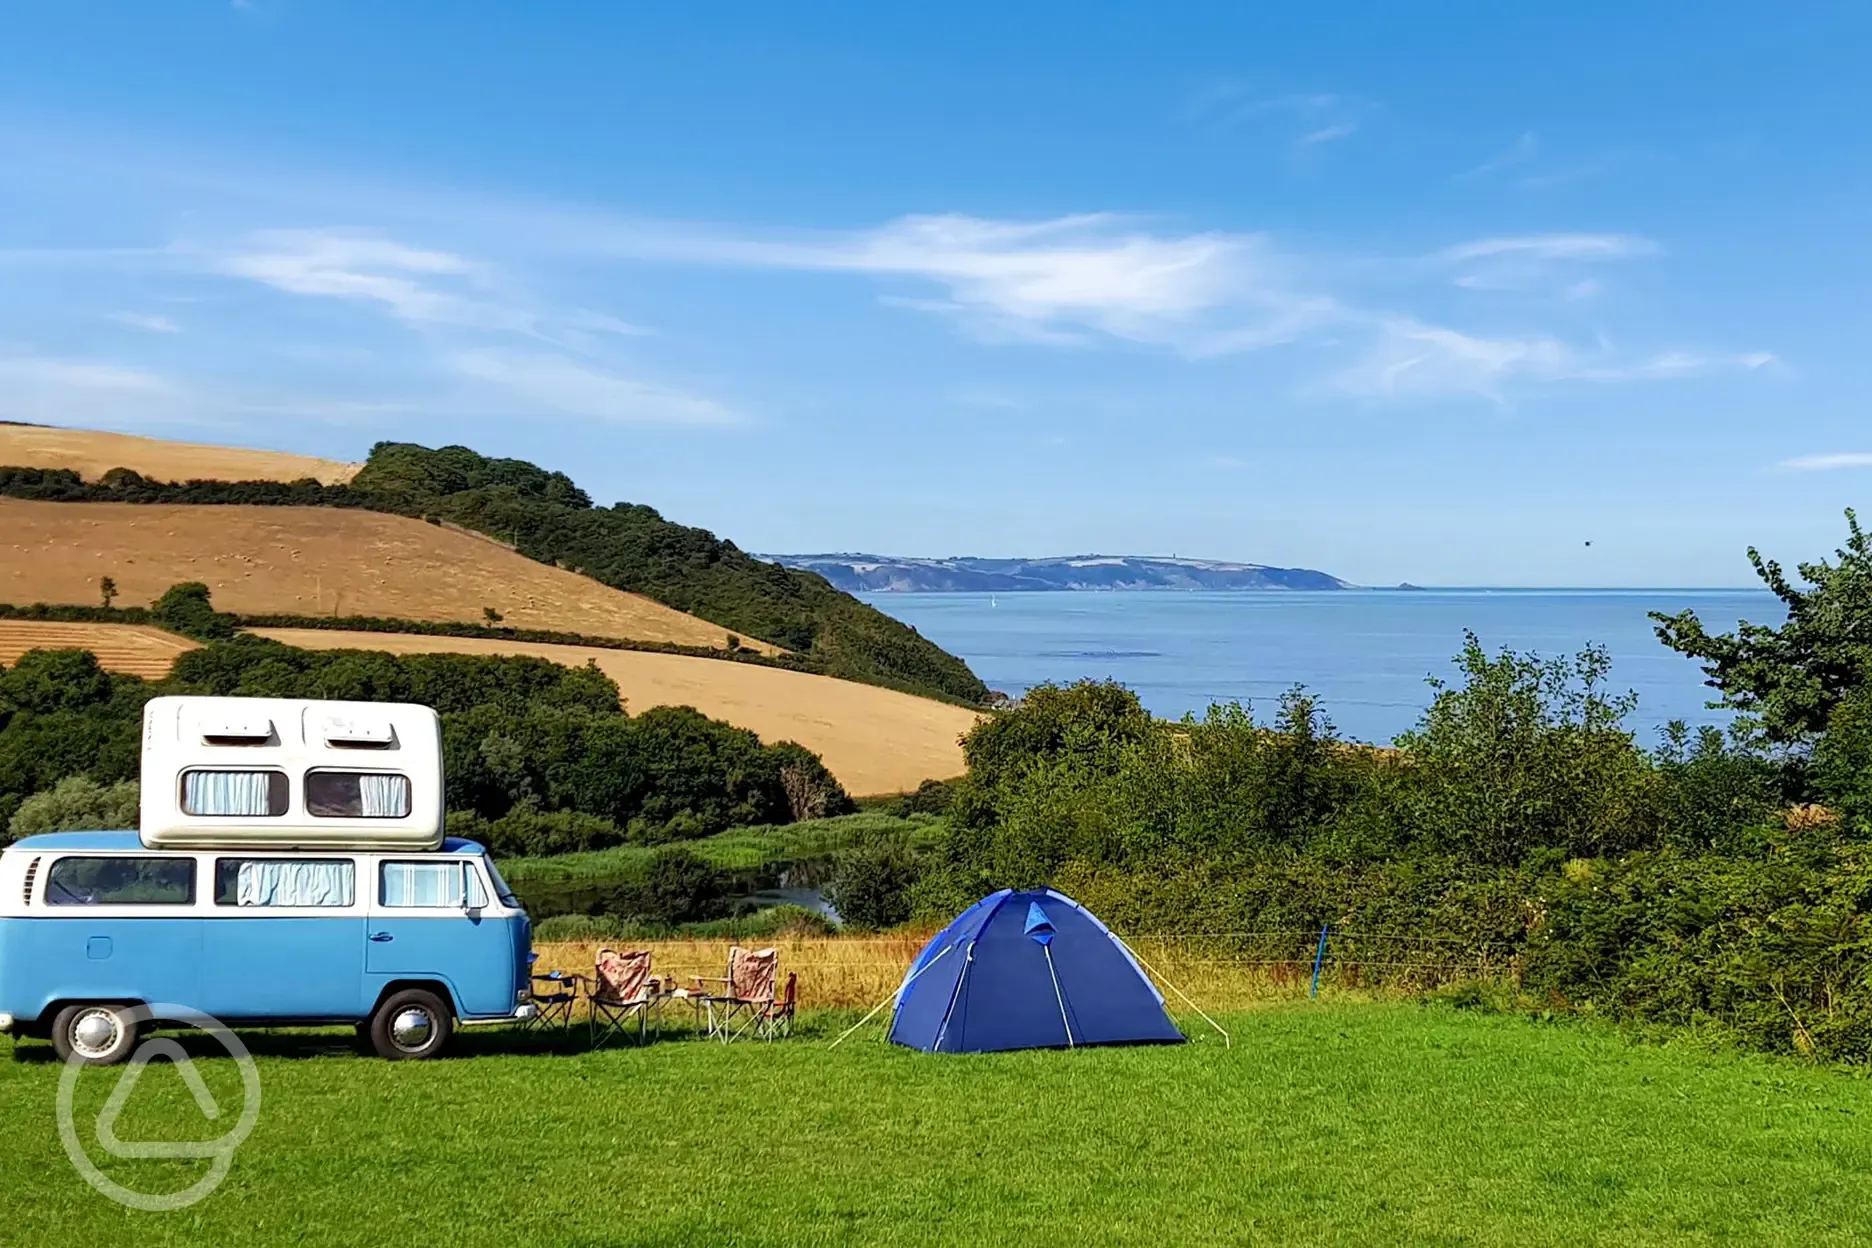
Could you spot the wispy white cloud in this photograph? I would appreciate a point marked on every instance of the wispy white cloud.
(1554, 247)
(1317, 117)
(471, 317)
(1065, 281)
(51, 390)
(145, 321)
(1539, 261)
(557, 383)
(1411, 359)
(1328, 134)
(1525, 147)
(1827, 463)
(414, 284)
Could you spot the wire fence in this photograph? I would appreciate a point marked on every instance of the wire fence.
(1219, 970)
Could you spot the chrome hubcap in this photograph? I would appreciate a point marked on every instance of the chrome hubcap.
(412, 1028)
(95, 1033)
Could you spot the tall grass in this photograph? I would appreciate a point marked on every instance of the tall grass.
(1208, 973)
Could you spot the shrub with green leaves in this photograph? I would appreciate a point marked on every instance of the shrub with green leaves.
(77, 804)
(871, 883)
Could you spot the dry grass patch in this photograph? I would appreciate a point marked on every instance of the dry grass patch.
(874, 740)
(127, 649)
(856, 972)
(315, 561)
(91, 454)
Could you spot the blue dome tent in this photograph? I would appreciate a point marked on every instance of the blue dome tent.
(1027, 970)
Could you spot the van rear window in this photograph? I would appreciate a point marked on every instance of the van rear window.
(127, 881)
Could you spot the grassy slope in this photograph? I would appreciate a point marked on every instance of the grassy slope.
(1342, 1123)
(738, 849)
(633, 547)
(313, 561)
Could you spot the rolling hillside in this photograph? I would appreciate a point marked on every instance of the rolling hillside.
(314, 561)
(544, 516)
(874, 740)
(91, 454)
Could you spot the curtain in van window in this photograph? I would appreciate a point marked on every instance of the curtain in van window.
(226, 792)
(383, 797)
(264, 883)
(429, 884)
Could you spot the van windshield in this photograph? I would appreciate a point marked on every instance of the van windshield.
(501, 890)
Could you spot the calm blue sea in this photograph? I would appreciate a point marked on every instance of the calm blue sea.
(1365, 652)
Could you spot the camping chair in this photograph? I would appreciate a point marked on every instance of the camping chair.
(621, 988)
(554, 995)
(747, 990)
(776, 1017)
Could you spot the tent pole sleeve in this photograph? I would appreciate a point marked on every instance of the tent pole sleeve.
(942, 1032)
(1226, 1042)
(1059, 996)
(893, 996)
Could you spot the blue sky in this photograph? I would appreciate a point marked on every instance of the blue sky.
(1428, 293)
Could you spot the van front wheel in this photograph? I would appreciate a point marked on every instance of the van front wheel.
(96, 1035)
(411, 1025)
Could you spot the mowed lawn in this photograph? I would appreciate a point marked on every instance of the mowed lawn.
(1326, 1123)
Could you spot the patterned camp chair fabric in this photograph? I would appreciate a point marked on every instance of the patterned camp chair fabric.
(621, 990)
(775, 1018)
(623, 978)
(751, 974)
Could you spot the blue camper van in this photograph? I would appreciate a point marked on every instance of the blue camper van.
(289, 869)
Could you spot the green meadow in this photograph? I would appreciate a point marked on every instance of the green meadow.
(1327, 1122)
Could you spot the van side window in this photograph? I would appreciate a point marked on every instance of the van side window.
(285, 882)
(357, 795)
(246, 792)
(126, 881)
(430, 885)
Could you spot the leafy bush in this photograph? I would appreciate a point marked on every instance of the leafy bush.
(1527, 753)
(186, 609)
(1788, 679)
(523, 832)
(932, 797)
(77, 804)
(871, 884)
(678, 887)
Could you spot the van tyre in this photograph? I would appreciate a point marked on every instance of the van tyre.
(411, 1025)
(97, 1034)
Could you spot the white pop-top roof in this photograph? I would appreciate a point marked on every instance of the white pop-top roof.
(376, 771)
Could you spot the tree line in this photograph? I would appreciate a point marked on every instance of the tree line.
(540, 758)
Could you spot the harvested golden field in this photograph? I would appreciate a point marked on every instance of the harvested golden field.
(874, 740)
(314, 561)
(128, 649)
(92, 454)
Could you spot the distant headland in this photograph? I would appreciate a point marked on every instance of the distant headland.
(860, 573)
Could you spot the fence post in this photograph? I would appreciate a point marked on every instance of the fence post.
(1318, 958)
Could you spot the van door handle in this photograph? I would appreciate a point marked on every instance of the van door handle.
(380, 937)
